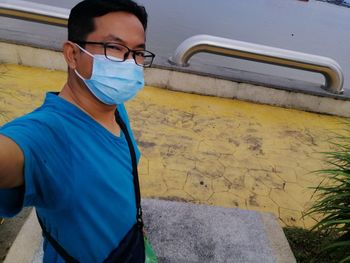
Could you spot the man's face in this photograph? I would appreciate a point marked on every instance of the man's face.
(120, 27)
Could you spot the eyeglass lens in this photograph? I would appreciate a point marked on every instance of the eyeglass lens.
(119, 52)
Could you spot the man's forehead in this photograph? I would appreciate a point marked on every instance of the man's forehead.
(114, 38)
(120, 20)
(121, 27)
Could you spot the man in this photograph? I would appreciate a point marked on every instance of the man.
(69, 158)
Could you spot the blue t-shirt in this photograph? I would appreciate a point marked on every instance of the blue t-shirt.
(78, 175)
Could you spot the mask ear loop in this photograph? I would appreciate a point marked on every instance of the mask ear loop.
(80, 76)
(86, 52)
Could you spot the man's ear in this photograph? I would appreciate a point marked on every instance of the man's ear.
(69, 53)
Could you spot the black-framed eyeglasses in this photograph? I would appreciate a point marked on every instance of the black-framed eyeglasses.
(119, 53)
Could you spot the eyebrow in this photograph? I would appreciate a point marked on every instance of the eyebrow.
(118, 39)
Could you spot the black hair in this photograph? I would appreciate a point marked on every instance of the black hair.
(81, 18)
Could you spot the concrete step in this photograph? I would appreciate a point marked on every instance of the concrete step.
(186, 232)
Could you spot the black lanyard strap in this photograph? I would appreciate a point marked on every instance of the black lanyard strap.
(59, 249)
(134, 168)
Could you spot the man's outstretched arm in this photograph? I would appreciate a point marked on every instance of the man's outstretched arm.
(11, 163)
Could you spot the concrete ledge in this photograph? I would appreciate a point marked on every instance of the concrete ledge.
(27, 243)
(191, 83)
(30, 56)
(203, 84)
(184, 232)
(278, 242)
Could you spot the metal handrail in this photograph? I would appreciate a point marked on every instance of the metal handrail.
(34, 12)
(328, 67)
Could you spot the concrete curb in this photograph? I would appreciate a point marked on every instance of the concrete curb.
(277, 239)
(27, 242)
(30, 56)
(190, 83)
(193, 83)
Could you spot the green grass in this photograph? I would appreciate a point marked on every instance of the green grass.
(307, 245)
(329, 239)
(332, 196)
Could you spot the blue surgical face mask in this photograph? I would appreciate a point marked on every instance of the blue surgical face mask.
(113, 82)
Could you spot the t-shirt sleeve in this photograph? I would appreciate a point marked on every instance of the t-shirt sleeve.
(124, 115)
(42, 161)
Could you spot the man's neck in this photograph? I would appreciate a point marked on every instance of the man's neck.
(85, 100)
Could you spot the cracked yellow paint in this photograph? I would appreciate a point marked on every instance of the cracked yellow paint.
(262, 203)
(298, 193)
(174, 179)
(207, 150)
(291, 217)
(227, 199)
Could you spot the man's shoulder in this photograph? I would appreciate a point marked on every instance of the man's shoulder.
(40, 116)
(33, 126)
